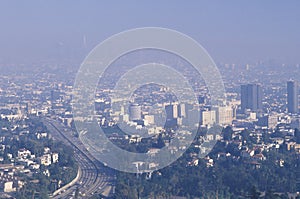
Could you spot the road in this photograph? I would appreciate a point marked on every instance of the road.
(93, 176)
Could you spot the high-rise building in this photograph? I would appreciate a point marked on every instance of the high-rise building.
(172, 119)
(251, 97)
(224, 115)
(181, 110)
(292, 96)
(135, 112)
(269, 121)
(221, 115)
(171, 111)
(207, 117)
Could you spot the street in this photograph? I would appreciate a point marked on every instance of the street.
(93, 178)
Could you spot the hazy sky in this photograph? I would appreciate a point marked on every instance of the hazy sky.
(231, 31)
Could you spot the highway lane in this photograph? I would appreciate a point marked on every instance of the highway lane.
(94, 178)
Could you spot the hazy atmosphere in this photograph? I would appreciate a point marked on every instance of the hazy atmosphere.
(232, 31)
(149, 99)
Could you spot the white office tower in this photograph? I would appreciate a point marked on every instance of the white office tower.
(135, 112)
(224, 115)
(208, 117)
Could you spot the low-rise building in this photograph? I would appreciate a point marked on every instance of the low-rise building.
(45, 159)
(24, 153)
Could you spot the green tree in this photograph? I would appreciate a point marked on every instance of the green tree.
(227, 133)
(270, 195)
(254, 193)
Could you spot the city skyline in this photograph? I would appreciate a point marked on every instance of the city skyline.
(136, 99)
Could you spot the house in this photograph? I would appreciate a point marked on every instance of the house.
(135, 139)
(297, 148)
(259, 157)
(24, 153)
(153, 165)
(46, 173)
(34, 166)
(194, 162)
(55, 157)
(41, 135)
(46, 150)
(247, 153)
(290, 145)
(223, 156)
(7, 186)
(2, 147)
(209, 161)
(45, 159)
(255, 165)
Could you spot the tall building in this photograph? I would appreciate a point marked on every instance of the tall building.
(221, 115)
(207, 117)
(135, 112)
(269, 121)
(181, 110)
(171, 111)
(292, 96)
(224, 115)
(251, 97)
(172, 119)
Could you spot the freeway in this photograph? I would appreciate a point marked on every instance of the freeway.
(93, 177)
